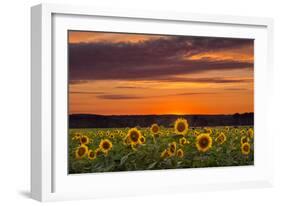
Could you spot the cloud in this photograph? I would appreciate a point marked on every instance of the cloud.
(132, 97)
(217, 80)
(118, 97)
(151, 59)
(85, 92)
(194, 93)
(78, 82)
(236, 89)
(129, 87)
(205, 80)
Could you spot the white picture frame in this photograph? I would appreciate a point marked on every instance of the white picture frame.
(49, 178)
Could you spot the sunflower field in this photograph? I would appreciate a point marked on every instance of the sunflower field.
(157, 147)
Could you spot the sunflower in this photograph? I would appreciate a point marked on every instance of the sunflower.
(250, 132)
(105, 145)
(155, 128)
(181, 126)
(126, 141)
(84, 140)
(227, 129)
(242, 132)
(196, 133)
(173, 147)
(98, 152)
(208, 130)
(77, 136)
(142, 140)
(166, 153)
(133, 135)
(91, 155)
(134, 147)
(203, 142)
(221, 138)
(182, 141)
(111, 136)
(245, 148)
(180, 153)
(81, 151)
(244, 139)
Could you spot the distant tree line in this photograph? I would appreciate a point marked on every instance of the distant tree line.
(120, 121)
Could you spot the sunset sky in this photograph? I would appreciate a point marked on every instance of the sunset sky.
(114, 73)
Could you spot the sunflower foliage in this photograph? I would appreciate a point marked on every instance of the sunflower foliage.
(111, 149)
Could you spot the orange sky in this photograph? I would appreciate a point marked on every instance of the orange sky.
(208, 91)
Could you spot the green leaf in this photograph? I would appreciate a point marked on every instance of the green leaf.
(152, 165)
(125, 158)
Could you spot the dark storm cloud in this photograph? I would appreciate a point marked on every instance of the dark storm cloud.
(152, 59)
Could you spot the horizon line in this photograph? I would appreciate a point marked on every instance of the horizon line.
(155, 114)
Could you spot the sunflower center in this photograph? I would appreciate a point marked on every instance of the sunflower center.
(172, 148)
(105, 145)
(98, 152)
(246, 148)
(81, 151)
(179, 153)
(204, 142)
(134, 136)
(181, 127)
(92, 154)
(84, 139)
(155, 129)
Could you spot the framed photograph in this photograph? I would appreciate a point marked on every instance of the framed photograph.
(136, 102)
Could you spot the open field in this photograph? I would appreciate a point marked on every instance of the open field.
(131, 149)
